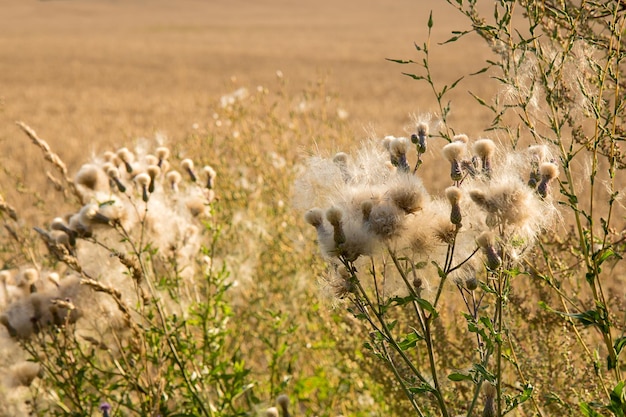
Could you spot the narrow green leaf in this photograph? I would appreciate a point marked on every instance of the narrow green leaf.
(457, 376)
(430, 20)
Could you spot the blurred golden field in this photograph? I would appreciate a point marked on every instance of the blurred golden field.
(302, 78)
(88, 73)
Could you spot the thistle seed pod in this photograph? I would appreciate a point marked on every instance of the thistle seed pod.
(486, 241)
(126, 157)
(153, 171)
(210, 174)
(174, 178)
(548, 171)
(114, 174)
(453, 152)
(162, 153)
(341, 160)
(485, 148)
(334, 216)
(187, 165)
(454, 196)
(143, 180)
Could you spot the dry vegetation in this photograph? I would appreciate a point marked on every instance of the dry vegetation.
(241, 312)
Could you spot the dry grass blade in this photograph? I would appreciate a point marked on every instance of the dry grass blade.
(8, 209)
(49, 155)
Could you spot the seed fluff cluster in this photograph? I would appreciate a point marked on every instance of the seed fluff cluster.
(373, 204)
(137, 207)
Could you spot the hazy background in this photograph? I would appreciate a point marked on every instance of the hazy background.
(105, 71)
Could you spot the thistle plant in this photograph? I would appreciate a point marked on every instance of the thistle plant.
(396, 255)
(129, 311)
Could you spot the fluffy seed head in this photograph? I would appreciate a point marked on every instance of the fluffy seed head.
(314, 217)
(454, 151)
(153, 171)
(174, 178)
(460, 138)
(385, 220)
(340, 158)
(162, 153)
(406, 198)
(453, 194)
(334, 215)
(125, 155)
(538, 152)
(210, 174)
(113, 172)
(24, 373)
(549, 170)
(399, 146)
(484, 148)
(187, 164)
(142, 179)
(88, 176)
(486, 240)
(422, 129)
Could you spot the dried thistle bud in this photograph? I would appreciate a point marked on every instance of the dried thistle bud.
(187, 165)
(126, 157)
(283, 402)
(153, 171)
(162, 153)
(548, 171)
(471, 283)
(398, 147)
(454, 152)
(210, 174)
(314, 217)
(174, 178)
(143, 180)
(341, 160)
(89, 177)
(334, 216)
(486, 241)
(454, 196)
(485, 148)
(418, 284)
(114, 174)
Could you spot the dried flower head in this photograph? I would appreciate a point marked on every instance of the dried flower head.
(548, 172)
(174, 178)
(210, 175)
(127, 157)
(187, 165)
(454, 153)
(453, 194)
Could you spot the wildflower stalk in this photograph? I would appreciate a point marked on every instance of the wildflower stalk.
(384, 330)
(425, 322)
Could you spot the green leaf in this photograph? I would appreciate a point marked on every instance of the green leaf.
(409, 341)
(430, 20)
(587, 411)
(415, 77)
(458, 376)
(421, 389)
(619, 344)
(401, 61)
(427, 306)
